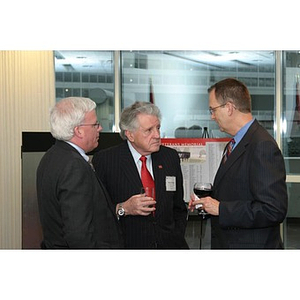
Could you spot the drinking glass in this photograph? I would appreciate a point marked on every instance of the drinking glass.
(149, 192)
(201, 190)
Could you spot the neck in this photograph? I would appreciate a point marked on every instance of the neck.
(240, 122)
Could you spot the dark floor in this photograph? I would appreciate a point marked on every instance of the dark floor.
(291, 233)
(194, 229)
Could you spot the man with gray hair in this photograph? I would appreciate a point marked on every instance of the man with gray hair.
(75, 209)
(149, 220)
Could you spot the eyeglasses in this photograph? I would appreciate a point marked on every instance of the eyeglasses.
(96, 125)
(212, 109)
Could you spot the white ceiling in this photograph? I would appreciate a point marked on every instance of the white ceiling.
(101, 61)
(223, 59)
(83, 61)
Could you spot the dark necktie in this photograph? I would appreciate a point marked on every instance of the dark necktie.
(228, 150)
(91, 164)
(146, 177)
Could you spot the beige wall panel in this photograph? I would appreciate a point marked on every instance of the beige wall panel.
(27, 92)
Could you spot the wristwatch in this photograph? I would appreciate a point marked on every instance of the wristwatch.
(120, 211)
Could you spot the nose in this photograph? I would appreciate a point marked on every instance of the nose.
(99, 128)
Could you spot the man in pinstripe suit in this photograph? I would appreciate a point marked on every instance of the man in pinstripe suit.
(249, 199)
(145, 226)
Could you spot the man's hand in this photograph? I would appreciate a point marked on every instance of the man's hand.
(139, 205)
(210, 205)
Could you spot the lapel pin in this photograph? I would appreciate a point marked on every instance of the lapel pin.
(160, 166)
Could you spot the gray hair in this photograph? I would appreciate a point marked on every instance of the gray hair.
(129, 121)
(67, 114)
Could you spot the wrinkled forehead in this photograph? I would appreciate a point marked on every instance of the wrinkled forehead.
(146, 120)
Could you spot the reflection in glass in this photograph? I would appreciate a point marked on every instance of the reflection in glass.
(291, 110)
(87, 74)
(180, 80)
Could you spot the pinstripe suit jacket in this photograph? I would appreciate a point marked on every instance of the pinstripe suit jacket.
(117, 170)
(75, 209)
(252, 192)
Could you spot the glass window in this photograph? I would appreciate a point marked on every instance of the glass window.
(180, 80)
(291, 143)
(292, 222)
(87, 74)
(291, 111)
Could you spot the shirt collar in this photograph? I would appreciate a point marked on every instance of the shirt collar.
(136, 155)
(80, 150)
(240, 134)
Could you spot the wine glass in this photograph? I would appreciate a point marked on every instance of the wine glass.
(201, 190)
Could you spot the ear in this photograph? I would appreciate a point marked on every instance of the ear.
(78, 132)
(129, 135)
(230, 108)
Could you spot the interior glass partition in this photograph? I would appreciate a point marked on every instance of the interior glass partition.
(87, 74)
(178, 82)
(291, 144)
(291, 111)
(291, 226)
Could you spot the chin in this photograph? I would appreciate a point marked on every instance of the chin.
(155, 149)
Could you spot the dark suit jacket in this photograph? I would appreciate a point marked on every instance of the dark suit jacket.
(75, 209)
(252, 192)
(118, 172)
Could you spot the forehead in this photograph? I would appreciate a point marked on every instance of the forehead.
(212, 98)
(147, 120)
(91, 115)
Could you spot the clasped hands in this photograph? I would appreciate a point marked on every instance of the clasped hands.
(210, 205)
(139, 204)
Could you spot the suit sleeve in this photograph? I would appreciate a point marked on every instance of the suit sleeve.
(76, 195)
(262, 196)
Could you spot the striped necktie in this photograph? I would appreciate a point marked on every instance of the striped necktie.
(228, 150)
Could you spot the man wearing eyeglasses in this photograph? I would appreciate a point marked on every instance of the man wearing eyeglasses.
(249, 199)
(75, 209)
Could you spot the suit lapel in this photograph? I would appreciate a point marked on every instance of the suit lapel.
(159, 177)
(129, 167)
(235, 155)
(107, 197)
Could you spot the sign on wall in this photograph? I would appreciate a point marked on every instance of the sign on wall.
(200, 159)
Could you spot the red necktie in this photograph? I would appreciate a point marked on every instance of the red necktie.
(146, 177)
(228, 150)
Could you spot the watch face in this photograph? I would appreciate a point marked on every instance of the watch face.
(121, 211)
